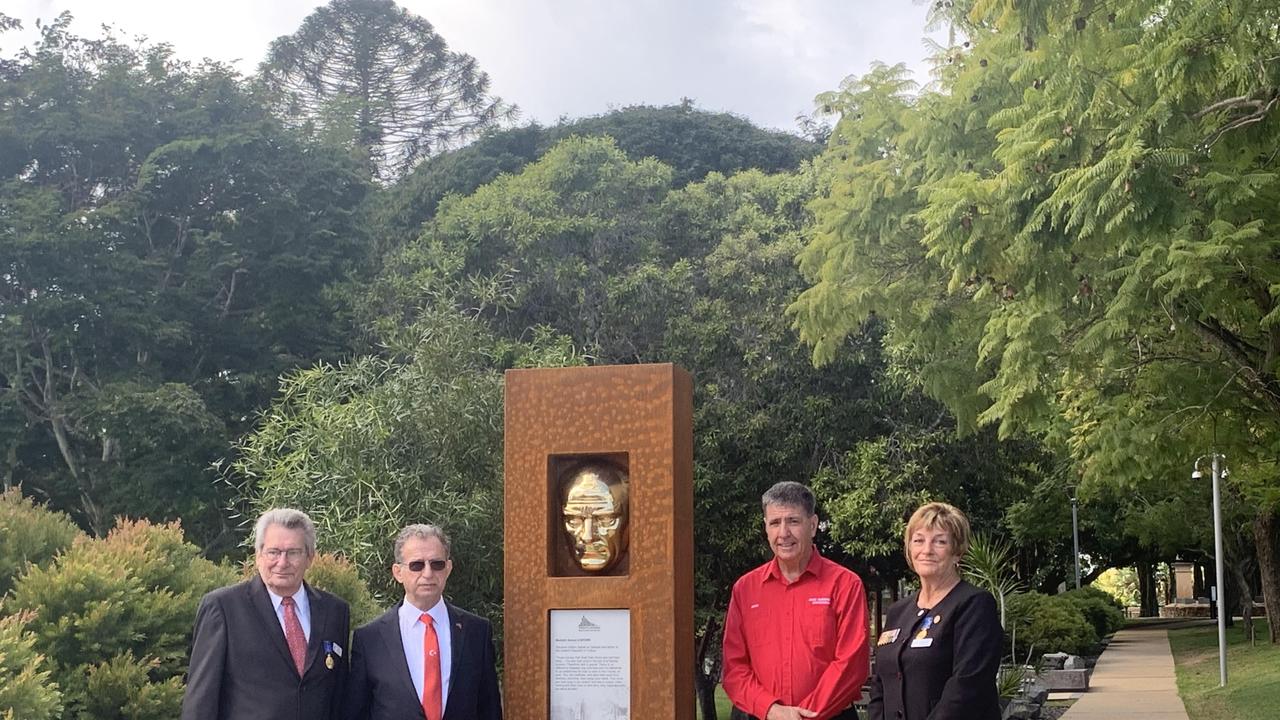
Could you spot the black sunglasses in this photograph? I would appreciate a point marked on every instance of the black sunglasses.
(420, 565)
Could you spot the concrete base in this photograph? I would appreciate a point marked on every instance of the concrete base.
(1069, 680)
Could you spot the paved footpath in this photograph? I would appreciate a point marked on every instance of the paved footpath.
(1133, 679)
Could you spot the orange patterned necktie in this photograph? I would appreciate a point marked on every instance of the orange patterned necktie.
(432, 699)
(293, 635)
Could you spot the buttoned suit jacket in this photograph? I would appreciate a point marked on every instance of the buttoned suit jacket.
(241, 668)
(380, 687)
(957, 680)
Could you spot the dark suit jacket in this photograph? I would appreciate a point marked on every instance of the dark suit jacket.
(241, 668)
(954, 678)
(380, 688)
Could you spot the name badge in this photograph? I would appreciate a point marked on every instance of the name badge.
(922, 642)
(888, 636)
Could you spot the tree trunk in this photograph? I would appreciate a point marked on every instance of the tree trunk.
(706, 673)
(1266, 536)
(1149, 599)
(92, 511)
(10, 464)
(1244, 595)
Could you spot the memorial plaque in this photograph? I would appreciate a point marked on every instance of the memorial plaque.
(590, 665)
(599, 528)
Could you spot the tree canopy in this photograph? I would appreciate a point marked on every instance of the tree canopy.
(371, 74)
(1072, 232)
(167, 247)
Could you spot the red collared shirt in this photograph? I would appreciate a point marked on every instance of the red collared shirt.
(802, 643)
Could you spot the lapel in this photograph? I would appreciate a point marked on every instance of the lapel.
(456, 633)
(905, 622)
(947, 607)
(266, 613)
(319, 613)
(388, 629)
(910, 621)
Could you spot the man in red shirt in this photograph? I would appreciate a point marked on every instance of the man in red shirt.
(795, 638)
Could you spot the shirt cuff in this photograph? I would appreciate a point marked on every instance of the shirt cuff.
(762, 706)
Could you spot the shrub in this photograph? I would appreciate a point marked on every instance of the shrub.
(116, 613)
(1049, 623)
(26, 691)
(121, 689)
(30, 534)
(337, 575)
(1098, 608)
(1091, 591)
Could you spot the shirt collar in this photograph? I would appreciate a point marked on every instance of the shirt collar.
(813, 567)
(301, 602)
(409, 613)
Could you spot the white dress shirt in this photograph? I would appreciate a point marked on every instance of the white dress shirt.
(412, 630)
(301, 606)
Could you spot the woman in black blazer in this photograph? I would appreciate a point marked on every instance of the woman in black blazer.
(938, 657)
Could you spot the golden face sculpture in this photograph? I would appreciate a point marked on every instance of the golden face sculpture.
(595, 515)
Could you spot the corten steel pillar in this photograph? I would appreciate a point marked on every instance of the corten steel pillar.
(638, 418)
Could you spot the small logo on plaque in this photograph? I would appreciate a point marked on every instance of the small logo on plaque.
(587, 626)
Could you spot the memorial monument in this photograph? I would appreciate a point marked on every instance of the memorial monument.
(598, 620)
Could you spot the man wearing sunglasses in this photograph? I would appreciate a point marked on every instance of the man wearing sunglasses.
(272, 647)
(425, 657)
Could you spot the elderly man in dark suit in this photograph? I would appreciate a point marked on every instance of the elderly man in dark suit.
(270, 648)
(424, 658)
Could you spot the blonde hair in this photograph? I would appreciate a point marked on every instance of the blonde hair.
(938, 516)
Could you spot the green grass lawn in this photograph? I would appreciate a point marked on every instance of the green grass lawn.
(1253, 673)
(723, 706)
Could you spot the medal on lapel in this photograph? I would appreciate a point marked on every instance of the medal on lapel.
(922, 638)
(328, 654)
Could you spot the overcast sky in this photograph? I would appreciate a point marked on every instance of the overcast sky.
(764, 59)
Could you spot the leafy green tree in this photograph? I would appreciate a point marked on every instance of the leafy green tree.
(872, 491)
(1073, 233)
(1121, 584)
(693, 142)
(562, 242)
(30, 534)
(377, 443)
(26, 688)
(166, 249)
(113, 617)
(380, 77)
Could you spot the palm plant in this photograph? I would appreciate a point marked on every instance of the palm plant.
(989, 565)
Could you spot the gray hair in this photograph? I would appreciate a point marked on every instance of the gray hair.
(422, 531)
(289, 519)
(791, 494)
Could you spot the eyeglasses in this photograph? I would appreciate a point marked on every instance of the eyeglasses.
(420, 565)
(293, 554)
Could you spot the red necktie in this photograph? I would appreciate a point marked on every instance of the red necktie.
(432, 699)
(293, 634)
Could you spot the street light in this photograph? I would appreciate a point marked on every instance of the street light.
(1075, 534)
(1219, 471)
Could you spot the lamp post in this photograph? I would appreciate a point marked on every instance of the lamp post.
(1075, 534)
(1219, 470)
